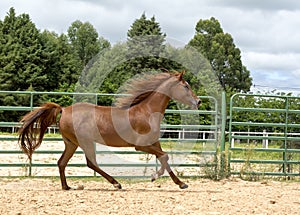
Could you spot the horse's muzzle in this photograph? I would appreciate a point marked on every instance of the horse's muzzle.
(196, 104)
(199, 102)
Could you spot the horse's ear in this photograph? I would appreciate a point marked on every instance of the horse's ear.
(180, 77)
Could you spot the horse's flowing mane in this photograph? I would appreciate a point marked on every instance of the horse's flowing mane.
(140, 88)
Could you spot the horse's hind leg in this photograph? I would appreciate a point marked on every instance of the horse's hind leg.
(92, 163)
(70, 148)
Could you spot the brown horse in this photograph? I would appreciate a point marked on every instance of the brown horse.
(133, 122)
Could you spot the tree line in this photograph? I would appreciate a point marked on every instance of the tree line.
(32, 59)
(35, 60)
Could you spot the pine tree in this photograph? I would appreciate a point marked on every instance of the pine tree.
(145, 38)
(145, 42)
(21, 51)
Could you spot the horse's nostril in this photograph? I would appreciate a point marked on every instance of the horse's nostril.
(199, 102)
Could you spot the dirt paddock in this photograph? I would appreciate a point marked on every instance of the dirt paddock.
(234, 196)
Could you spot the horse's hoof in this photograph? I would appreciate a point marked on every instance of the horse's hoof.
(183, 186)
(118, 186)
(154, 176)
(67, 188)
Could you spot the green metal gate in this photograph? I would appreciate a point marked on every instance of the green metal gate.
(204, 146)
(264, 135)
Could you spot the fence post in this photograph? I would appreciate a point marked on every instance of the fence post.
(265, 142)
(203, 137)
(223, 128)
(285, 136)
(30, 165)
(232, 141)
(31, 100)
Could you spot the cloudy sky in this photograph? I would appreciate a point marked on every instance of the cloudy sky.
(266, 31)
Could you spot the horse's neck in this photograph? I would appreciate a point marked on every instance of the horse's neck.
(156, 102)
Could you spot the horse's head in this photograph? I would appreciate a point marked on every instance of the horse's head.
(181, 91)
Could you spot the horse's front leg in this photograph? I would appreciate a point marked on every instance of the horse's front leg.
(165, 166)
(163, 158)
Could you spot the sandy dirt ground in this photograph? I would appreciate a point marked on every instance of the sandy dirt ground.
(31, 196)
(234, 196)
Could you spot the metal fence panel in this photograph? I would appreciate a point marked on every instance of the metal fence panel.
(201, 157)
(268, 144)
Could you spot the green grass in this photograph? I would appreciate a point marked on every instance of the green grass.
(190, 146)
(8, 134)
(250, 153)
(256, 171)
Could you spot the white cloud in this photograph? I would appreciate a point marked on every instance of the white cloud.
(267, 32)
(266, 5)
(273, 70)
(271, 62)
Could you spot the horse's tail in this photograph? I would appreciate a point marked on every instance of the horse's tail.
(34, 126)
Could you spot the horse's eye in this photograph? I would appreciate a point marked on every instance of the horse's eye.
(186, 87)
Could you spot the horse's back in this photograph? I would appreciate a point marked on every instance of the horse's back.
(84, 122)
